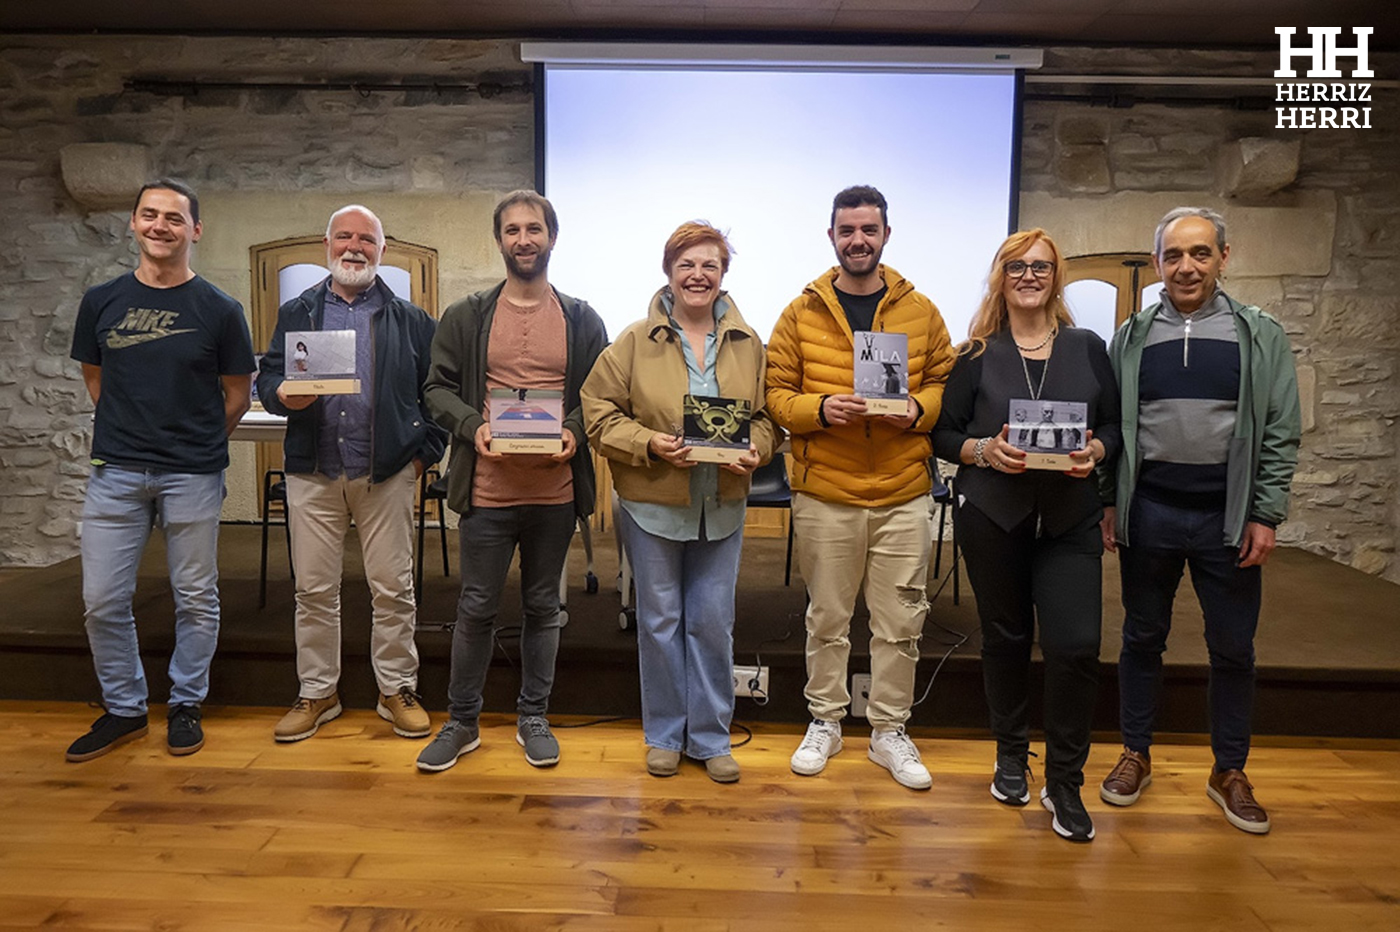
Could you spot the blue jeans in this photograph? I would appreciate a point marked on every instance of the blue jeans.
(489, 537)
(122, 506)
(685, 637)
(1165, 540)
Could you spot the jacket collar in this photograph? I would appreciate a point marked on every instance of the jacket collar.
(824, 288)
(658, 323)
(1138, 324)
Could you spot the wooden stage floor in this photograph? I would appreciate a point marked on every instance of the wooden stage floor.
(340, 832)
(1328, 645)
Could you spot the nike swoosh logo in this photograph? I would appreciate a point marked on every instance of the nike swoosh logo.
(122, 340)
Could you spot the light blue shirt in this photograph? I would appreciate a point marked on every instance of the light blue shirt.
(705, 513)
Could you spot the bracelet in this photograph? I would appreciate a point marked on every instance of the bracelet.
(979, 453)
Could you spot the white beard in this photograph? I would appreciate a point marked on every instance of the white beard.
(353, 278)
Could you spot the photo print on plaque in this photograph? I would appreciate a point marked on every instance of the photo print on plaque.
(716, 429)
(1047, 430)
(526, 420)
(320, 362)
(881, 371)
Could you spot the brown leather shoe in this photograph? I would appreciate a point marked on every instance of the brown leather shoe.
(405, 711)
(1234, 794)
(1128, 778)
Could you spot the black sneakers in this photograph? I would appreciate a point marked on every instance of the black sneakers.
(1071, 818)
(1009, 783)
(183, 733)
(106, 733)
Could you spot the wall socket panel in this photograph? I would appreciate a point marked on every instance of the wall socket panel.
(745, 676)
(860, 693)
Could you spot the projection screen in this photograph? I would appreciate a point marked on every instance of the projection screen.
(629, 151)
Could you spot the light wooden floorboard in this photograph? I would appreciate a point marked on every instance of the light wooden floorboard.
(341, 833)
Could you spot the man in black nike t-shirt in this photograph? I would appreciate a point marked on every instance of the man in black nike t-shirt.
(168, 361)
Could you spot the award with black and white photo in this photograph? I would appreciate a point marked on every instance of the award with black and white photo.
(526, 420)
(320, 362)
(882, 371)
(716, 429)
(1048, 431)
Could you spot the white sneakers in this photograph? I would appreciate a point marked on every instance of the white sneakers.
(823, 739)
(893, 750)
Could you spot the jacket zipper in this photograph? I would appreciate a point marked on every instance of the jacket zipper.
(1186, 347)
(372, 380)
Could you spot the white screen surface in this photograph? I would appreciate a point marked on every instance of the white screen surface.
(631, 153)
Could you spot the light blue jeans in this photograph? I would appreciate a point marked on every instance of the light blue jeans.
(122, 507)
(685, 637)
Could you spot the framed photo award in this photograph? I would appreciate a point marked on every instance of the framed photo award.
(1049, 431)
(526, 420)
(716, 429)
(320, 362)
(881, 371)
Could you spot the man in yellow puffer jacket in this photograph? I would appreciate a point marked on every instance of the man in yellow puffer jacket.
(861, 512)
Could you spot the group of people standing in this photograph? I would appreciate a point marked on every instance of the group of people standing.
(1183, 457)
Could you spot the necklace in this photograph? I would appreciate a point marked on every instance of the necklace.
(1050, 335)
(1034, 389)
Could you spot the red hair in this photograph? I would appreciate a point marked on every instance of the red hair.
(694, 233)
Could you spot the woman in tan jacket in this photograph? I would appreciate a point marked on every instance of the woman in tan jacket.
(682, 521)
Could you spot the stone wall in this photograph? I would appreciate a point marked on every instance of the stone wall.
(268, 164)
(1321, 253)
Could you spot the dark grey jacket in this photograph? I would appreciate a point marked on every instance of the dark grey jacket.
(402, 429)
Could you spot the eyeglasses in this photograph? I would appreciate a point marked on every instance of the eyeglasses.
(1039, 268)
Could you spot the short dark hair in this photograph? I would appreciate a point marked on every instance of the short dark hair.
(170, 184)
(524, 196)
(858, 196)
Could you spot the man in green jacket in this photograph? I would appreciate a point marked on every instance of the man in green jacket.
(521, 334)
(1211, 427)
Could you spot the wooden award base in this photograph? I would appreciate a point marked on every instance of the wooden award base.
(321, 386)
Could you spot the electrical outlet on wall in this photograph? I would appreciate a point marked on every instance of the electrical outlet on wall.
(750, 682)
(860, 693)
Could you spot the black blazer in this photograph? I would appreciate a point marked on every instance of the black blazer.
(975, 403)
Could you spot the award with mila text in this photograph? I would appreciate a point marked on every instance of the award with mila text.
(882, 371)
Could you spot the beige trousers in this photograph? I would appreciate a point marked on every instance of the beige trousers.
(320, 511)
(839, 547)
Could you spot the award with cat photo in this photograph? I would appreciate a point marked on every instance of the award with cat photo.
(526, 420)
(320, 362)
(716, 429)
(1047, 430)
(882, 371)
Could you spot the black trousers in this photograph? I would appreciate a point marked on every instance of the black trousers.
(1020, 578)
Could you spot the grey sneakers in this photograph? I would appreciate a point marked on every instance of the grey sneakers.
(532, 733)
(453, 740)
